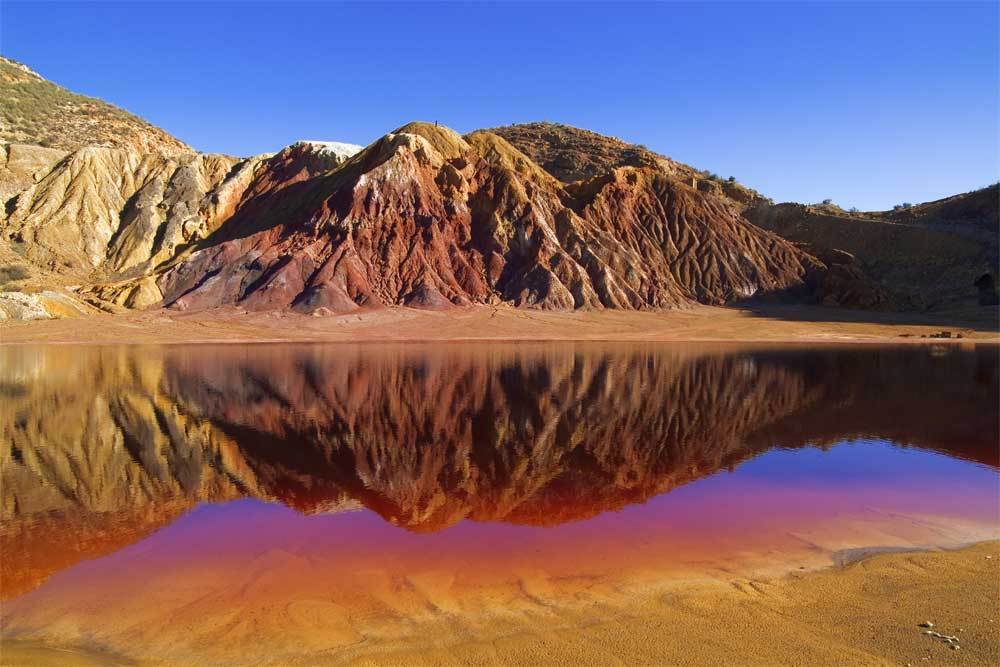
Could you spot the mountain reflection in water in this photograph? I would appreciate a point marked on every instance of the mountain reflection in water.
(104, 446)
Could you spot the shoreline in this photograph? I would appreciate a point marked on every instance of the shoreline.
(809, 325)
(865, 611)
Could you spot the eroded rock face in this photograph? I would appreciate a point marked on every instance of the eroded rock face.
(102, 213)
(426, 218)
(21, 166)
(422, 218)
(43, 305)
(709, 251)
(113, 209)
(844, 283)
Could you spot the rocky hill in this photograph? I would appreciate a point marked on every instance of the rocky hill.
(972, 215)
(934, 256)
(111, 214)
(423, 217)
(23, 165)
(36, 111)
(118, 215)
(427, 218)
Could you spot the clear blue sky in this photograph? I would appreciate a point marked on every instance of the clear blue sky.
(869, 104)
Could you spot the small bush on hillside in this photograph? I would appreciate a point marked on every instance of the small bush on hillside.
(13, 272)
(827, 202)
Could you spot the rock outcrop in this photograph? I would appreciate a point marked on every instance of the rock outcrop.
(21, 166)
(112, 209)
(105, 212)
(844, 283)
(43, 305)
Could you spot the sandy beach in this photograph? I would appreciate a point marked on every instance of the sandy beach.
(867, 611)
(803, 324)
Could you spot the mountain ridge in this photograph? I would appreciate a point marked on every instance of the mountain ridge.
(537, 215)
(425, 218)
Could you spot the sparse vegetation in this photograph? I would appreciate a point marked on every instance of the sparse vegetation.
(36, 111)
(827, 202)
(571, 154)
(902, 207)
(13, 272)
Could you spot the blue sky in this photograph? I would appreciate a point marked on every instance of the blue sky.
(868, 104)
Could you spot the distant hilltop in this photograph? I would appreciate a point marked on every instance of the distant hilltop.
(36, 111)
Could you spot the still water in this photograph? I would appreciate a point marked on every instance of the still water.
(183, 502)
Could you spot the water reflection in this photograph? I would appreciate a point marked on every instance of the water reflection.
(103, 446)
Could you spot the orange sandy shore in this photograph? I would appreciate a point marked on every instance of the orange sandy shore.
(866, 613)
(777, 324)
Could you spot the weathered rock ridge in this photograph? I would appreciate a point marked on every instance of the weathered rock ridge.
(427, 218)
(114, 209)
(108, 217)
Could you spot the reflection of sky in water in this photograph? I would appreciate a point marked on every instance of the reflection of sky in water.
(247, 565)
(860, 461)
(758, 507)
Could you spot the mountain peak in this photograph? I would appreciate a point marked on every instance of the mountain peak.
(337, 149)
(444, 140)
